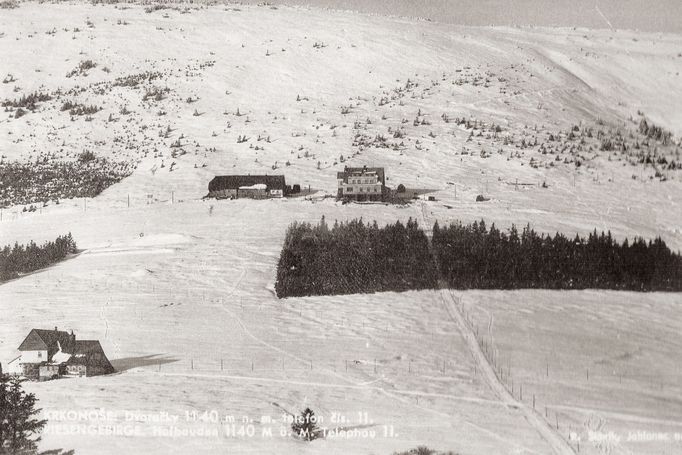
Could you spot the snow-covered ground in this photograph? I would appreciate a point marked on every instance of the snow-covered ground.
(179, 290)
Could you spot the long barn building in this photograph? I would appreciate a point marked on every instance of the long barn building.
(247, 186)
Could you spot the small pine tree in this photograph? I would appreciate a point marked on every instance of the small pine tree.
(305, 425)
(19, 427)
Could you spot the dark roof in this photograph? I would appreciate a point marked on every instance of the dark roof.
(348, 170)
(89, 353)
(45, 340)
(233, 182)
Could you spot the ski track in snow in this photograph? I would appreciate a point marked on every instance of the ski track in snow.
(556, 442)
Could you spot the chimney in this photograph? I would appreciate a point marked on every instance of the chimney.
(55, 328)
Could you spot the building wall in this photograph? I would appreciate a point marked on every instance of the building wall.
(252, 193)
(76, 370)
(34, 357)
(224, 194)
(30, 370)
(246, 193)
(373, 191)
(95, 370)
(47, 372)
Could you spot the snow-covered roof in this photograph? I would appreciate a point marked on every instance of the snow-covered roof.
(257, 186)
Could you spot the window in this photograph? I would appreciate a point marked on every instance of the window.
(40, 354)
(349, 189)
(375, 190)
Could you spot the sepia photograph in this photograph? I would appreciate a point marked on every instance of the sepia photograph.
(341, 227)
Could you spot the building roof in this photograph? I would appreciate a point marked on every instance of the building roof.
(45, 340)
(363, 170)
(234, 182)
(89, 353)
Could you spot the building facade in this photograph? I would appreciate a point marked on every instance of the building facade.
(362, 184)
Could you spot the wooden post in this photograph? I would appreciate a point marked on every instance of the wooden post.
(192, 363)
(221, 364)
(533, 401)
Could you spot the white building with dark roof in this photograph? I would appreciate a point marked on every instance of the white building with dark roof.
(46, 354)
(362, 183)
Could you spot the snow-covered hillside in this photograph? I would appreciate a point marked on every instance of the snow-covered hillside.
(179, 290)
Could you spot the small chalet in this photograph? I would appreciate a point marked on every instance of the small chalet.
(247, 186)
(362, 183)
(50, 354)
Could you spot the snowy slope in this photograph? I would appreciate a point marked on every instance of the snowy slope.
(173, 285)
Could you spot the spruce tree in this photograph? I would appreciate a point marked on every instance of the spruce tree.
(19, 427)
(305, 425)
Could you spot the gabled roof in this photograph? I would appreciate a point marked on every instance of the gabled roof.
(45, 340)
(233, 182)
(89, 353)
